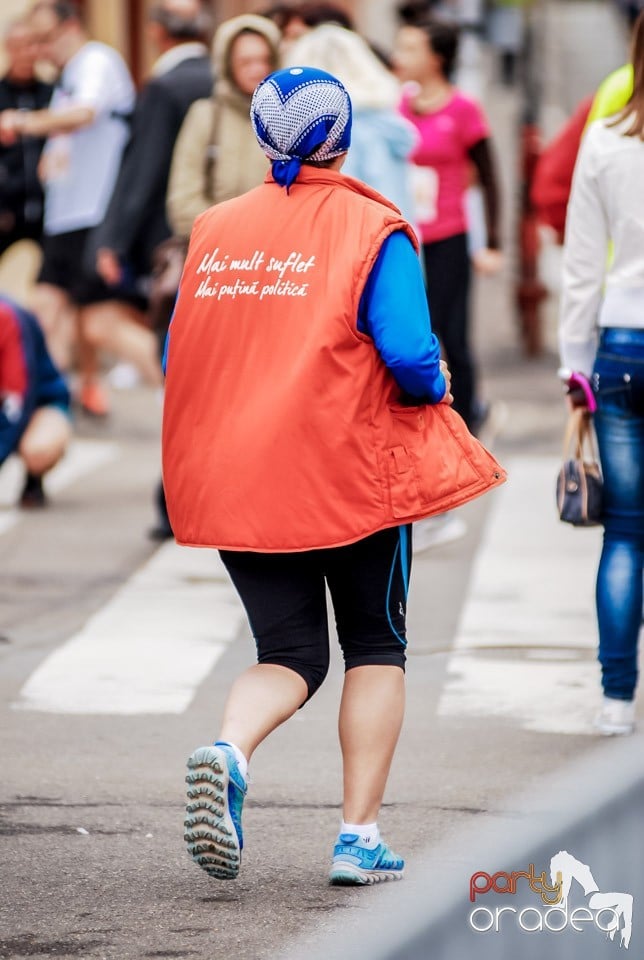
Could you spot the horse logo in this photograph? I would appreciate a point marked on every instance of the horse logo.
(565, 868)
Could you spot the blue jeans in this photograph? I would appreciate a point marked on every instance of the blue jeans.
(618, 383)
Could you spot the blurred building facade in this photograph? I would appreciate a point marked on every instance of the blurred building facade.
(121, 23)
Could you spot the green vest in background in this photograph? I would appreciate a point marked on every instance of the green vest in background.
(613, 94)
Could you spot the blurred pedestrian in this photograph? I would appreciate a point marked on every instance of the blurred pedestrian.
(216, 156)
(288, 21)
(411, 12)
(135, 222)
(454, 141)
(553, 171)
(34, 401)
(469, 16)
(88, 127)
(631, 9)
(288, 445)
(615, 90)
(602, 340)
(21, 196)
(454, 136)
(381, 140)
(297, 18)
(461, 12)
(552, 179)
(279, 13)
(507, 35)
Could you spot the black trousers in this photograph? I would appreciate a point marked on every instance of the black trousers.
(21, 230)
(447, 265)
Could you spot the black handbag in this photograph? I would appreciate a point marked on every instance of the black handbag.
(580, 484)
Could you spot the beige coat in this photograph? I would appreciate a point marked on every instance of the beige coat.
(224, 119)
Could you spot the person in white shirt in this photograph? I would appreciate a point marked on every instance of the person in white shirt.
(602, 341)
(88, 127)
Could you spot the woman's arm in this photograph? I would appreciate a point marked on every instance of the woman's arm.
(483, 159)
(394, 313)
(584, 264)
(44, 123)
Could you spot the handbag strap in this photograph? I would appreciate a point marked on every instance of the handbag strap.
(579, 436)
(212, 153)
(591, 438)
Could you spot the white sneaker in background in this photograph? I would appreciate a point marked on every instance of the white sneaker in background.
(617, 717)
(124, 376)
(437, 531)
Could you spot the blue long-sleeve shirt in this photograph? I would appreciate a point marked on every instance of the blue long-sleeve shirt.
(394, 313)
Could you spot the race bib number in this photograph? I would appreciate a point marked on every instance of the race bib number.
(425, 184)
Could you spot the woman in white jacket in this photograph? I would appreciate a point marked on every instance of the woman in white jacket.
(602, 339)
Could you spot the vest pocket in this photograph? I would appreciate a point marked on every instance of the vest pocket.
(403, 483)
(404, 487)
(431, 454)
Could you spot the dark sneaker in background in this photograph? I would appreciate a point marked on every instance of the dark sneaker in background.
(33, 496)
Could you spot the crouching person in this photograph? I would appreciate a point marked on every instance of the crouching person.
(34, 401)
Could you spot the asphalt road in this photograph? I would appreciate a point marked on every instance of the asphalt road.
(91, 806)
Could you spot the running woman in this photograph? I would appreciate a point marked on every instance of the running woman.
(306, 426)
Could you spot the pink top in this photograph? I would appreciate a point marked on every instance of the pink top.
(441, 163)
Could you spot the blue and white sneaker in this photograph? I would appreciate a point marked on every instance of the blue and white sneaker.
(213, 830)
(356, 865)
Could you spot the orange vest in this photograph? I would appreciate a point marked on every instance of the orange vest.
(282, 429)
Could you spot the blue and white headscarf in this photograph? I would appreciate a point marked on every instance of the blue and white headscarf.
(300, 114)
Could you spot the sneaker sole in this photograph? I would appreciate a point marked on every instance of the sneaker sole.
(209, 830)
(348, 875)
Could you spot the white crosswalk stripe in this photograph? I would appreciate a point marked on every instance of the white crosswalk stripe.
(526, 646)
(524, 650)
(150, 647)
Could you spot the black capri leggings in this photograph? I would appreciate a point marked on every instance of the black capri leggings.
(285, 600)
